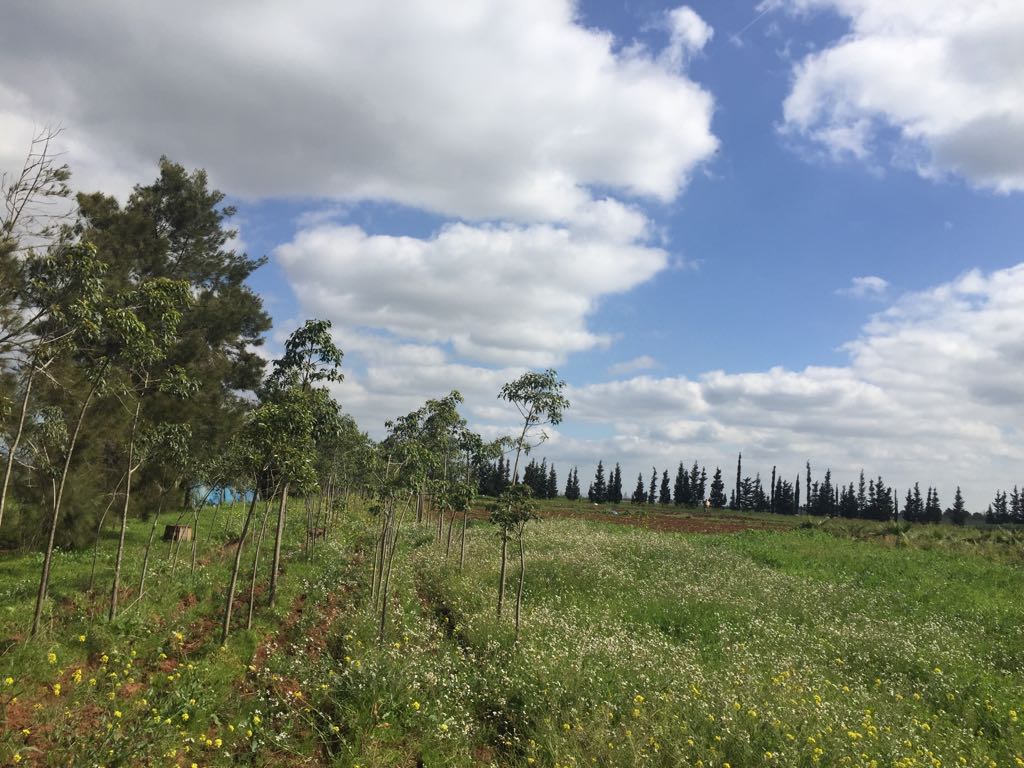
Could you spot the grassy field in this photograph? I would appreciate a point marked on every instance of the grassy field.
(819, 644)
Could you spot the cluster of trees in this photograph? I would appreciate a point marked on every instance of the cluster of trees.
(869, 499)
(1006, 509)
(128, 381)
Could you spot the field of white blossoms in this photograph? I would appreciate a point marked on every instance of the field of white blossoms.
(638, 647)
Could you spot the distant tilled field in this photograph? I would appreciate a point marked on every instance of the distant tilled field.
(794, 647)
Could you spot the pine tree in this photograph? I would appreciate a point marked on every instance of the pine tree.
(615, 488)
(771, 489)
(959, 510)
(738, 493)
(664, 495)
(694, 486)
(717, 497)
(568, 487)
(600, 486)
(702, 482)
(807, 488)
(652, 496)
(862, 500)
(639, 494)
(680, 491)
(796, 496)
(1016, 506)
(552, 489)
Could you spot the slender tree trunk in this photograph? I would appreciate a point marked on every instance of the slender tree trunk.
(112, 614)
(256, 561)
(12, 449)
(319, 522)
(378, 554)
(275, 569)
(387, 574)
(522, 580)
(501, 574)
(195, 525)
(451, 523)
(462, 545)
(225, 628)
(99, 530)
(149, 545)
(44, 579)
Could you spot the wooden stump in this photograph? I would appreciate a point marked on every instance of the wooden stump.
(177, 533)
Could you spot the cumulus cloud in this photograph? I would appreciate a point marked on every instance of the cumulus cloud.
(512, 295)
(945, 77)
(688, 34)
(484, 111)
(868, 286)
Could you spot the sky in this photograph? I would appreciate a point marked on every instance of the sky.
(790, 228)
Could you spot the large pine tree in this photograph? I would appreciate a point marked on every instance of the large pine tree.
(615, 487)
(600, 485)
(639, 494)
(717, 495)
(665, 493)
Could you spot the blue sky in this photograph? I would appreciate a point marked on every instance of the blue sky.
(672, 205)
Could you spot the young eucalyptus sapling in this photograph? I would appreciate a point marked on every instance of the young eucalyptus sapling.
(538, 398)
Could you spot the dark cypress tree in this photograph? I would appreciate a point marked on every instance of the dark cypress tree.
(652, 494)
(935, 511)
(615, 488)
(639, 494)
(702, 481)
(1016, 506)
(826, 496)
(1000, 509)
(552, 489)
(771, 499)
(908, 507)
(959, 516)
(745, 496)
(717, 496)
(738, 493)
(665, 494)
(569, 487)
(600, 486)
(848, 502)
(694, 485)
(862, 499)
(796, 496)
(679, 490)
(809, 503)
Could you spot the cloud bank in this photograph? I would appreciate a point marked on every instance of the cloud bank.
(931, 85)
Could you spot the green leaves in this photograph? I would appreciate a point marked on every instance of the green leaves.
(513, 508)
(538, 396)
(310, 355)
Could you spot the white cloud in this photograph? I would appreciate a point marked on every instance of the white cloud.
(516, 295)
(483, 110)
(869, 286)
(944, 76)
(688, 34)
(641, 363)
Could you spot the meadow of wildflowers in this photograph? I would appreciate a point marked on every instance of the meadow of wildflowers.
(763, 648)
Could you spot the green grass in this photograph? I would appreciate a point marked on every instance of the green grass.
(842, 643)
